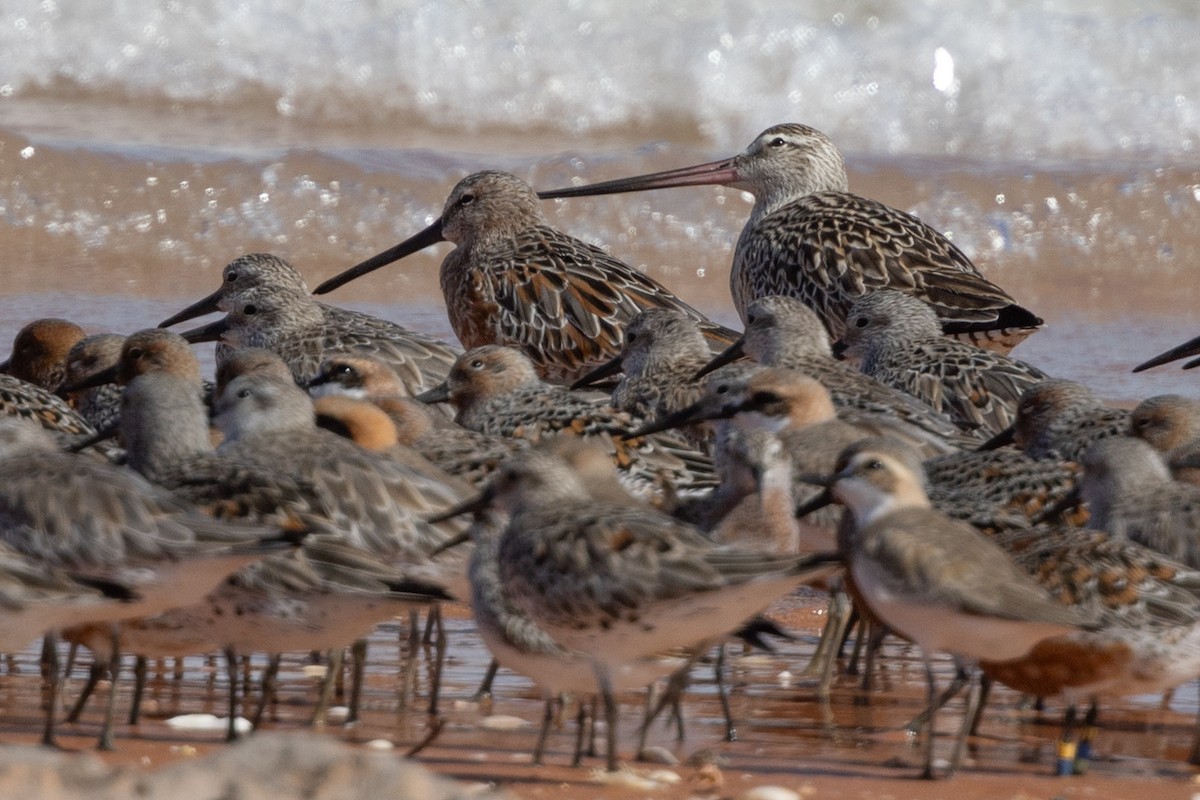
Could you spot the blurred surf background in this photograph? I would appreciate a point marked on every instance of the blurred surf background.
(144, 144)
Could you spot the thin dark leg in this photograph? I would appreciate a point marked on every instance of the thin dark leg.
(608, 697)
(973, 698)
(270, 673)
(435, 678)
(1067, 746)
(961, 676)
(141, 670)
(580, 733)
(1087, 739)
(231, 666)
(539, 749)
(106, 742)
(485, 688)
(327, 683)
(97, 671)
(358, 652)
(931, 698)
(985, 689)
(723, 695)
(52, 678)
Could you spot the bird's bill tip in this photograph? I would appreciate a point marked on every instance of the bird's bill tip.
(426, 238)
(817, 502)
(1188, 348)
(101, 378)
(438, 394)
(726, 356)
(1001, 439)
(697, 412)
(207, 305)
(605, 370)
(212, 332)
(722, 172)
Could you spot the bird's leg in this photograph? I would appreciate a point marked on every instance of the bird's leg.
(973, 697)
(110, 709)
(141, 673)
(931, 698)
(267, 692)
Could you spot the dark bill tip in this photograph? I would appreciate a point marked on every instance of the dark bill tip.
(713, 173)
(1188, 348)
(438, 394)
(207, 305)
(605, 370)
(1001, 439)
(430, 236)
(825, 498)
(101, 378)
(212, 332)
(726, 356)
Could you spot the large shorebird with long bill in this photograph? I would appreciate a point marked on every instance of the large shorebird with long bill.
(809, 237)
(514, 280)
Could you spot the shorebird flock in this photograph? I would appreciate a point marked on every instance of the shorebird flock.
(615, 484)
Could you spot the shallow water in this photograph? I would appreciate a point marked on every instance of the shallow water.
(142, 151)
(853, 746)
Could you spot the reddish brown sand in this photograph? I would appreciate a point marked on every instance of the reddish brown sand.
(854, 748)
(121, 235)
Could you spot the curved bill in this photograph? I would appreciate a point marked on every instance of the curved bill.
(102, 435)
(722, 172)
(1072, 500)
(726, 356)
(1188, 348)
(438, 394)
(605, 370)
(472, 505)
(825, 498)
(212, 332)
(1001, 439)
(207, 305)
(707, 408)
(101, 378)
(430, 236)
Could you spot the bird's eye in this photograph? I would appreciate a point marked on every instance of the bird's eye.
(230, 277)
(722, 388)
(250, 310)
(243, 393)
(631, 337)
(873, 465)
(477, 364)
(136, 353)
(760, 399)
(466, 199)
(778, 141)
(343, 369)
(861, 322)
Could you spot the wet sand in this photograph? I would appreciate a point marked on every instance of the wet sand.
(856, 746)
(118, 220)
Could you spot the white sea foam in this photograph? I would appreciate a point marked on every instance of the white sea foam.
(1000, 78)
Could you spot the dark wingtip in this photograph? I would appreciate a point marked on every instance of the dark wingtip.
(1011, 316)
